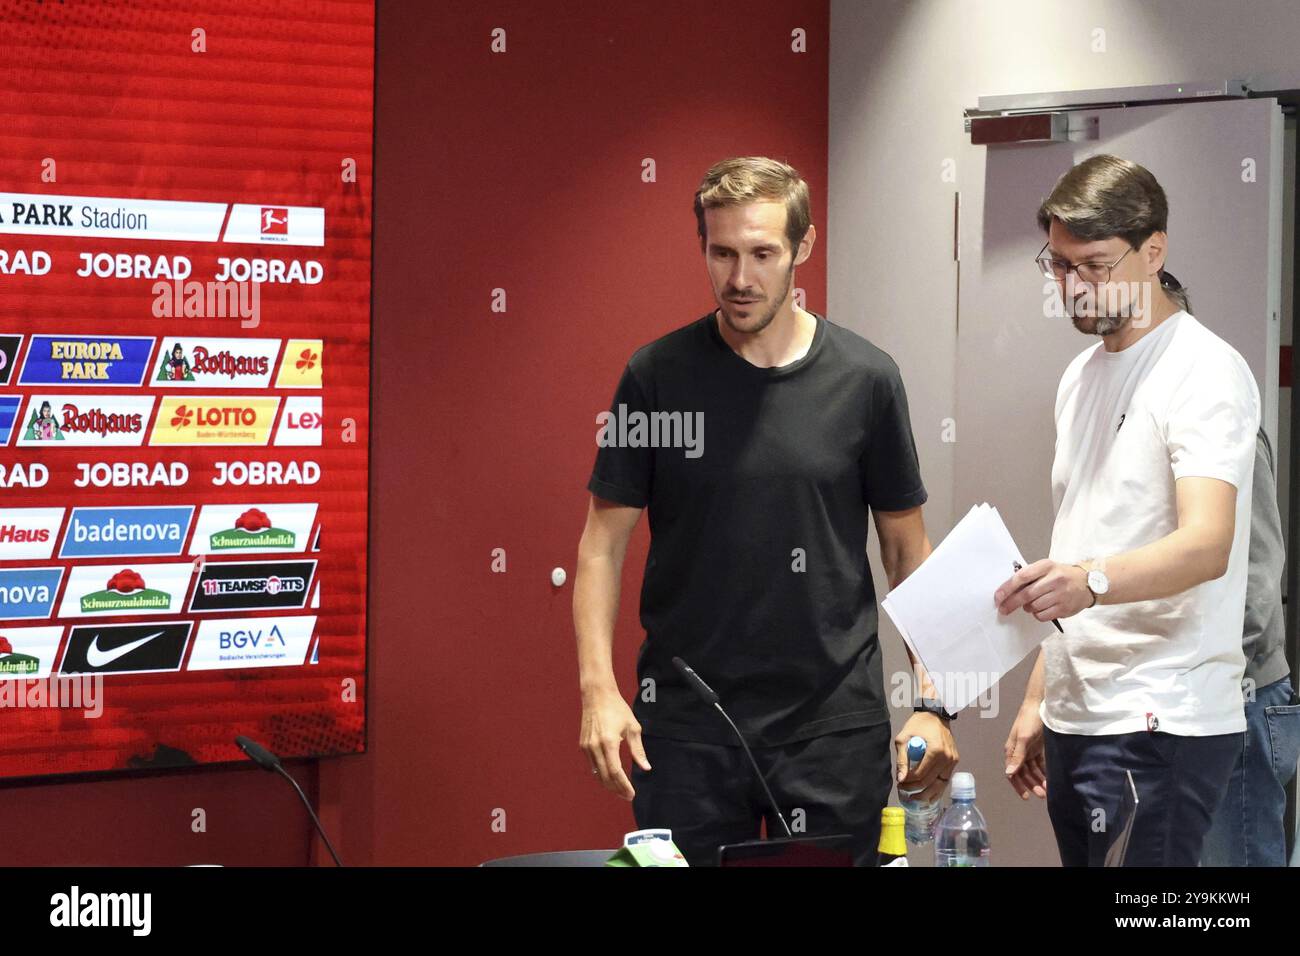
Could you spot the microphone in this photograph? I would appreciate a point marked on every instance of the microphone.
(258, 754)
(710, 697)
(270, 762)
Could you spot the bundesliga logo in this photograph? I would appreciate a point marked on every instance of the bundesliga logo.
(275, 221)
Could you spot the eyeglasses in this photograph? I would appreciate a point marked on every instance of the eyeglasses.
(1094, 273)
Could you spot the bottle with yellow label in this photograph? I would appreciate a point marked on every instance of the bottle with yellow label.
(893, 844)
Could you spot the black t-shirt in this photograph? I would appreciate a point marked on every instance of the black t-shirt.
(757, 493)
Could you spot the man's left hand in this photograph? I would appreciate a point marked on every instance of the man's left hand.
(934, 771)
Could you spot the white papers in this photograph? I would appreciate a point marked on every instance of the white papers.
(946, 614)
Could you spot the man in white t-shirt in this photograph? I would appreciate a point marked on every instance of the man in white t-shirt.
(1151, 484)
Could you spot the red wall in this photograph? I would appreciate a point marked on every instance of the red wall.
(519, 171)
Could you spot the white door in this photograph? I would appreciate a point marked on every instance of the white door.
(1220, 165)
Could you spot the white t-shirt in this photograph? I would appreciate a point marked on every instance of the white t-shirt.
(1179, 402)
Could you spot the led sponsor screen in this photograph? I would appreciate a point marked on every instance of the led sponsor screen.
(185, 223)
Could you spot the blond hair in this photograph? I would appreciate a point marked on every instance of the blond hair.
(744, 179)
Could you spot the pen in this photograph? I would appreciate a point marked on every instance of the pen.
(1016, 566)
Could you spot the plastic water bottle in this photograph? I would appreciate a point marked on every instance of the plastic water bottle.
(962, 837)
(919, 816)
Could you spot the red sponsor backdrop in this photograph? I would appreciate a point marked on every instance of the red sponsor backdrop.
(232, 103)
(520, 171)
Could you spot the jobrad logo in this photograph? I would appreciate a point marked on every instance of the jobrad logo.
(86, 360)
(118, 532)
(253, 585)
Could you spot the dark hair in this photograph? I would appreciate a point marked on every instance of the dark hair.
(1106, 196)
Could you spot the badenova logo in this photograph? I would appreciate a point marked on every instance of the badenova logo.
(252, 585)
(301, 365)
(214, 420)
(118, 532)
(107, 589)
(251, 642)
(85, 419)
(86, 360)
(27, 533)
(253, 528)
(190, 362)
(28, 592)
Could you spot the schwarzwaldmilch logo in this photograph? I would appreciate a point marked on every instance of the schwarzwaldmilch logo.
(253, 529)
(125, 591)
(14, 664)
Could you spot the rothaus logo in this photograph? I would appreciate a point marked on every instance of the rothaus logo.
(623, 429)
(82, 421)
(177, 367)
(130, 910)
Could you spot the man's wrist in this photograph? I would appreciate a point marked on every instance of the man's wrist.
(1087, 567)
(931, 705)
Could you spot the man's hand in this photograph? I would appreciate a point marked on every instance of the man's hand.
(606, 721)
(935, 769)
(1026, 769)
(1046, 589)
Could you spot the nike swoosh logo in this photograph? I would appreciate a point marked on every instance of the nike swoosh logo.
(97, 658)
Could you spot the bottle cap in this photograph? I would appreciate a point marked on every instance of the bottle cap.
(963, 786)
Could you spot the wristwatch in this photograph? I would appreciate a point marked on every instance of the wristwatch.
(929, 705)
(1096, 582)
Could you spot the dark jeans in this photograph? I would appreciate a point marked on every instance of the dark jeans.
(708, 796)
(1180, 782)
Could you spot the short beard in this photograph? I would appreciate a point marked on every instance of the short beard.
(771, 312)
(1102, 324)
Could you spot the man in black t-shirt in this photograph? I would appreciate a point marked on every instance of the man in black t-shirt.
(758, 437)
